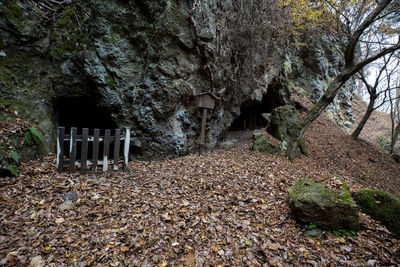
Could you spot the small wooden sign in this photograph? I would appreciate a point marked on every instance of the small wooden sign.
(206, 100)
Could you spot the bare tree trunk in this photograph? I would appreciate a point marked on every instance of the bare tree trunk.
(365, 118)
(395, 137)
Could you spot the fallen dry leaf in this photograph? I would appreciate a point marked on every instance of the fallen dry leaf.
(124, 249)
(272, 246)
(59, 220)
(37, 261)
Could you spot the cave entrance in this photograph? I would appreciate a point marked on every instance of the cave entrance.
(251, 113)
(82, 112)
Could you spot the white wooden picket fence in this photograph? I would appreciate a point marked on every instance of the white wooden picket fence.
(68, 161)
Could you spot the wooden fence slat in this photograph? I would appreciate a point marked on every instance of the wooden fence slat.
(116, 148)
(106, 149)
(60, 148)
(95, 149)
(84, 149)
(127, 142)
(72, 149)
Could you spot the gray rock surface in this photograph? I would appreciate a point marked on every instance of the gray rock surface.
(227, 144)
(313, 202)
(281, 124)
(314, 232)
(141, 62)
(262, 144)
(66, 205)
(381, 206)
(317, 63)
(71, 196)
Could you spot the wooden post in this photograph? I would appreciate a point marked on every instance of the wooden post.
(206, 101)
(60, 148)
(106, 149)
(126, 146)
(72, 149)
(116, 148)
(203, 127)
(96, 137)
(84, 149)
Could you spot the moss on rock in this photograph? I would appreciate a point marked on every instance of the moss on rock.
(260, 143)
(110, 81)
(66, 17)
(66, 34)
(14, 13)
(381, 206)
(313, 202)
(283, 119)
(303, 148)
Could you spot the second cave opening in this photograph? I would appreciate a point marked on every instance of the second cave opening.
(251, 113)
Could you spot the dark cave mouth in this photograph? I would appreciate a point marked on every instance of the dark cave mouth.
(251, 113)
(83, 112)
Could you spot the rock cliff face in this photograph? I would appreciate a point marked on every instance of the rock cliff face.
(316, 62)
(137, 64)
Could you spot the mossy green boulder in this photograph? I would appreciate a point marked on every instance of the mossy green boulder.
(313, 202)
(260, 143)
(381, 206)
(282, 122)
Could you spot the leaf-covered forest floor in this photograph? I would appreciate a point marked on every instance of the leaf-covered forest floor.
(224, 207)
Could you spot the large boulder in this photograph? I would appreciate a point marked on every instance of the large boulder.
(282, 121)
(262, 144)
(381, 206)
(313, 202)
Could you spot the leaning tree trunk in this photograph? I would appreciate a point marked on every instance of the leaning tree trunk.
(364, 120)
(395, 137)
(330, 93)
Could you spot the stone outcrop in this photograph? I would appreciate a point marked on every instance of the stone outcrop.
(140, 62)
(262, 144)
(281, 124)
(313, 202)
(381, 206)
(313, 67)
